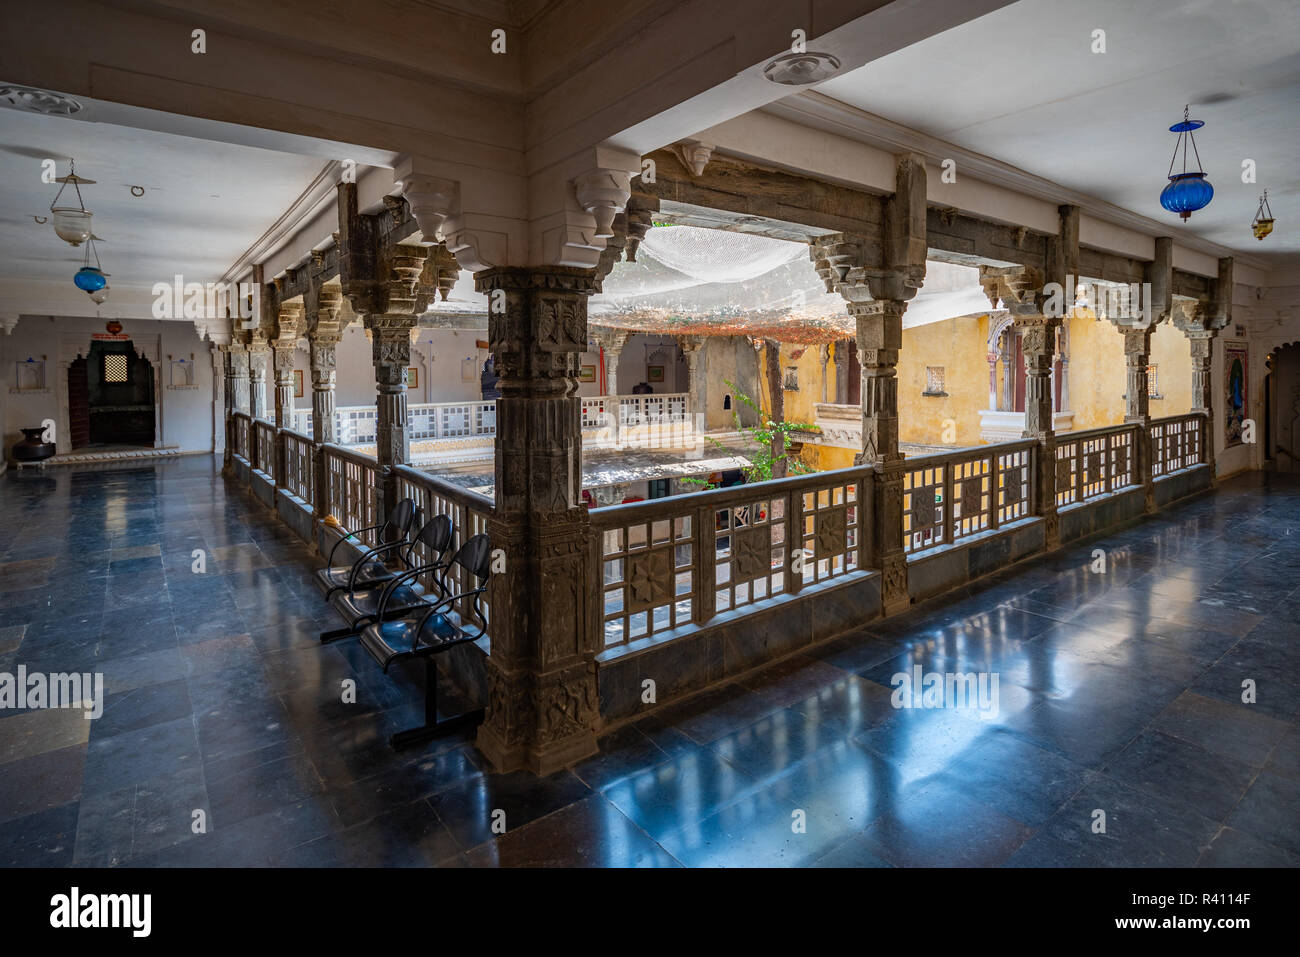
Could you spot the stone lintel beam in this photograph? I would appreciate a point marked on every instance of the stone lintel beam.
(748, 189)
(956, 236)
(1188, 285)
(1110, 267)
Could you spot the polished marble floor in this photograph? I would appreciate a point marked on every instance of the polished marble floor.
(1118, 692)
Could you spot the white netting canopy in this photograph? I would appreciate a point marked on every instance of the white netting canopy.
(712, 255)
(690, 279)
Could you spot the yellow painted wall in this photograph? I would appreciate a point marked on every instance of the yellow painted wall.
(1171, 354)
(801, 405)
(958, 345)
(1098, 374)
(1097, 381)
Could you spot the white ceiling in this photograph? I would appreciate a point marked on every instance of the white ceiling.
(205, 202)
(1021, 85)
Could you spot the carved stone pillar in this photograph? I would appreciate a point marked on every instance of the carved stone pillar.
(1009, 373)
(880, 336)
(1137, 357)
(1201, 324)
(877, 276)
(239, 378)
(696, 385)
(259, 361)
(283, 358)
(542, 708)
(1137, 404)
(220, 397)
(1038, 342)
(1020, 289)
(1201, 343)
(288, 326)
(824, 354)
(993, 380)
(611, 342)
(842, 372)
(322, 346)
(390, 338)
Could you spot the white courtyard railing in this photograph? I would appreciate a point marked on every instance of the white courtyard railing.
(358, 424)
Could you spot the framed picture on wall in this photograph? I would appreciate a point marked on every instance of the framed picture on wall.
(654, 373)
(412, 377)
(588, 374)
(297, 384)
(1235, 392)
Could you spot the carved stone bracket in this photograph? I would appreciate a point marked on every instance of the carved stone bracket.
(694, 156)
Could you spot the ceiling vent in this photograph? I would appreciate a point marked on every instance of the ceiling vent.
(32, 100)
(800, 69)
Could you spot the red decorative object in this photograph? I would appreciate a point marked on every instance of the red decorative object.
(113, 326)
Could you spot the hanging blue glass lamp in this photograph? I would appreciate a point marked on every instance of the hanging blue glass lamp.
(90, 279)
(1189, 190)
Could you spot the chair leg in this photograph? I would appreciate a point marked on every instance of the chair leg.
(327, 636)
(432, 727)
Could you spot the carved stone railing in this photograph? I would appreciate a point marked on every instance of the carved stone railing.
(296, 473)
(954, 495)
(1177, 442)
(1095, 463)
(240, 427)
(662, 565)
(264, 448)
(352, 488)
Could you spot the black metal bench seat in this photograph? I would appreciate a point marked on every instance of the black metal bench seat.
(370, 568)
(399, 593)
(430, 630)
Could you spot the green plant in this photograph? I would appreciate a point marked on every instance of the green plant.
(763, 436)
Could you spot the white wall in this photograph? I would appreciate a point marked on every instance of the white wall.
(186, 413)
(635, 357)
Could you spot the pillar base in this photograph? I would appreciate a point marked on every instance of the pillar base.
(540, 723)
(505, 758)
